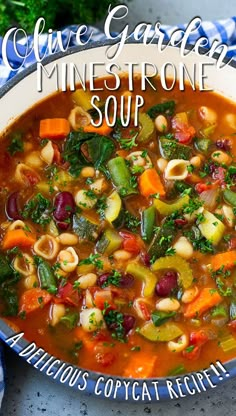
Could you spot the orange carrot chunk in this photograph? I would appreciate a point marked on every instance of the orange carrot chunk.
(150, 183)
(140, 365)
(19, 238)
(207, 298)
(227, 259)
(103, 130)
(34, 299)
(54, 128)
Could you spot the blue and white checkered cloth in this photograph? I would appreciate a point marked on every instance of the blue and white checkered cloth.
(223, 31)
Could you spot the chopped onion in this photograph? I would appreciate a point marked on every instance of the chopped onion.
(210, 198)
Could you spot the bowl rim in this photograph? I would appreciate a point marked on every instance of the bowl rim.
(156, 387)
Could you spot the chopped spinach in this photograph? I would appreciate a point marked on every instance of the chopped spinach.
(166, 108)
(160, 317)
(16, 144)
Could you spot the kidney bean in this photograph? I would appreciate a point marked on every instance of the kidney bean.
(146, 258)
(102, 279)
(223, 144)
(64, 207)
(180, 222)
(167, 284)
(12, 209)
(126, 281)
(128, 322)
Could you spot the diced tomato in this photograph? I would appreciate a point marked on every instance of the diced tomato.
(57, 154)
(130, 242)
(192, 354)
(199, 337)
(232, 325)
(232, 243)
(67, 294)
(201, 187)
(32, 178)
(144, 310)
(183, 132)
(219, 174)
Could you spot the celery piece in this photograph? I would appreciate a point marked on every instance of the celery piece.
(83, 99)
(109, 242)
(167, 209)
(166, 332)
(144, 274)
(147, 128)
(228, 343)
(208, 131)
(147, 223)
(121, 176)
(180, 265)
(211, 227)
(230, 197)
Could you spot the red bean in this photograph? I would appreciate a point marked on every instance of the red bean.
(12, 209)
(128, 322)
(102, 279)
(167, 284)
(126, 281)
(146, 258)
(223, 144)
(64, 207)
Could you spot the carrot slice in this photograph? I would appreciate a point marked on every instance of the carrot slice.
(18, 237)
(150, 183)
(54, 128)
(227, 259)
(207, 298)
(103, 130)
(140, 365)
(34, 299)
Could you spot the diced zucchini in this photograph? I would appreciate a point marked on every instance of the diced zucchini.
(148, 223)
(167, 209)
(171, 149)
(113, 207)
(85, 228)
(228, 343)
(230, 197)
(211, 228)
(181, 118)
(147, 128)
(144, 274)
(164, 333)
(109, 242)
(202, 144)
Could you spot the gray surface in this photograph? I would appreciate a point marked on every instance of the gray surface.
(31, 393)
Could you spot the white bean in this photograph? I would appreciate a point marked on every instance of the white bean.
(57, 311)
(161, 123)
(207, 115)
(196, 161)
(92, 319)
(99, 186)
(221, 157)
(122, 255)
(161, 164)
(87, 280)
(190, 294)
(183, 248)
(68, 239)
(168, 305)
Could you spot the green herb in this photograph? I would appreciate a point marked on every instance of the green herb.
(101, 205)
(128, 143)
(190, 348)
(93, 259)
(58, 13)
(113, 279)
(222, 288)
(115, 320)
(131, 222)
(192, 206)
(135, 348)
(70, 320)
(219, 310)
(16, 144)
(160, 317)
(190, 168)
(38, 209)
